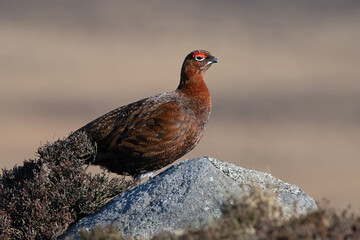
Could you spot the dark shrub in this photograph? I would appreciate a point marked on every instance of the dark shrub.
(42, 198)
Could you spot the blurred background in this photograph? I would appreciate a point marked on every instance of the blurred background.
(286, 92)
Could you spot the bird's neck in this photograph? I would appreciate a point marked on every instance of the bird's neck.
(195, 88)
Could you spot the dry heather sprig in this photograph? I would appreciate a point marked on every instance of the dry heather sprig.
(42, 198)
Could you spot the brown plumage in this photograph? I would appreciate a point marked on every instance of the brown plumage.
(153, 132)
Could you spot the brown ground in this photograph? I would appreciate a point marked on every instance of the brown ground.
(285, 94)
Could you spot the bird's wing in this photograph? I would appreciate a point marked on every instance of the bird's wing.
(151, 129)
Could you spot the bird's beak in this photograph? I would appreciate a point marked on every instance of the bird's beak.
(212, 60)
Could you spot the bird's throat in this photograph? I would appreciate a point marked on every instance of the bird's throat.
(195, 87)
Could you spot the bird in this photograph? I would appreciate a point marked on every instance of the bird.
(144, 136)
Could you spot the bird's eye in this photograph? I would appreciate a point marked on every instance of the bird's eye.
(199, 58)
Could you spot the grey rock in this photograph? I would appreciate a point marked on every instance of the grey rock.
(189, 192)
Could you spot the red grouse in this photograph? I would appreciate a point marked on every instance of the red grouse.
(151, 133)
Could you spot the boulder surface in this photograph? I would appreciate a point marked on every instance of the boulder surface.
(190, 192)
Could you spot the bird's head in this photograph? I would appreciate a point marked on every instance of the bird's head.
(197, 62)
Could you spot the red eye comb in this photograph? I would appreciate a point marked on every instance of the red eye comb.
(199, 54)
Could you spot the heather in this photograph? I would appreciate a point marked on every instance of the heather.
(46, 195)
